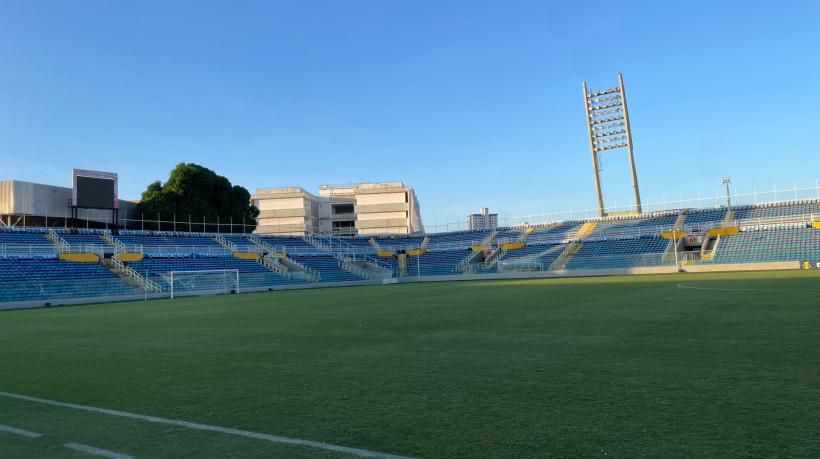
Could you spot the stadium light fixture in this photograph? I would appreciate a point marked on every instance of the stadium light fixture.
(601, 137)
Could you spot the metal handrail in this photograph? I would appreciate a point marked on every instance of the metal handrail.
(28, 248)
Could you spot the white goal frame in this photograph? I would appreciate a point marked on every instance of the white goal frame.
(172, 274)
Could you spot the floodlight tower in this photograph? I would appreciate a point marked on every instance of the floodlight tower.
(608, 126)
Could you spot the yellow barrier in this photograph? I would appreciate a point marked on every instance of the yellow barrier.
(80, 257)
(477, 248)
(723, 231)
(815, 224)
(384, 253)
(247, 255)
(673, 234)
(512, 245)
(129, 256)
(417, 252)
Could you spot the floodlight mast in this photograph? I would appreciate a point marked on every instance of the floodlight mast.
(609, 136)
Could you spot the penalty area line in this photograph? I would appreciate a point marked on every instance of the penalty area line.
(25, 433)
(97, 451)
(225, 430)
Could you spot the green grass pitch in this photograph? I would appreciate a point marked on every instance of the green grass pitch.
(617, 366)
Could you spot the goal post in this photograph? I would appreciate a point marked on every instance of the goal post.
(212, 281)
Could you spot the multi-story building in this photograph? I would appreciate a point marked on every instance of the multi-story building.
(340, 210)
(483, 220)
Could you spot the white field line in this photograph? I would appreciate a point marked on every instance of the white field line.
(25, 433)
(226, 430)
(97, 451)
(683, 285)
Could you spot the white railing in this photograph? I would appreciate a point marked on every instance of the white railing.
(564, 256)
(344, 250)
(465, 262)
(373, 273)
(148, 284)
(265, 245)
(209, 250)
(230, 245)
(29, 248)
(61, 243)
(275, 266)
(96, 249)
(119, 247)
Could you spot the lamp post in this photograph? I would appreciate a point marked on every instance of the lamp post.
(726, 181)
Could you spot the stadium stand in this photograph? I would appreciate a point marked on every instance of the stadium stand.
(31, 268)
(438, 262)
(328, 267)
(531, 256)
(462, 239)
(400, 243)
(288, 244)
(508, 234)
(252, 274)
(25, 242)
(45, 277)
(634, 225)
(241, 242)
(769, 243)
(777, 210)
(696, 217)
(158, 244)
(619, 252)
(554, 232)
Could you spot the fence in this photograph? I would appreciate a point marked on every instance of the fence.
(200, 224)
(701, 201)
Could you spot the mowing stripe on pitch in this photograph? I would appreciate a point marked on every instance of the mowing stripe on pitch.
(226, 430)
(25, 433)
(97, 451)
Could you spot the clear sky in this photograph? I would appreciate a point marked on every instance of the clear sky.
(472, 103)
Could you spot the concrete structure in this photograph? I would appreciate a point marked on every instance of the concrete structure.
(608, 128)
(482, 220)
(36, 204)
(340, 210)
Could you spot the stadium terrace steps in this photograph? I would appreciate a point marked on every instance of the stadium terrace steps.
(57, 240)
(679, 222)
(585, 229)
(730, 216)
(490, 237)
(564, 257)
(329, 267)
(523, 236)
(227, 244)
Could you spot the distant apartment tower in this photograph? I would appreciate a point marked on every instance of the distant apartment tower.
(483, 220)
(339, 210)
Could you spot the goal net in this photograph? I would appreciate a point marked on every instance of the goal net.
(206, 282)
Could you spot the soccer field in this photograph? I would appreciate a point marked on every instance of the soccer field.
(663, 365)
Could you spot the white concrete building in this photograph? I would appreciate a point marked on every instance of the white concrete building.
(483, 220)
(340, 210)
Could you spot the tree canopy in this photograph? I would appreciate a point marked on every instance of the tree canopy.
(199, 192)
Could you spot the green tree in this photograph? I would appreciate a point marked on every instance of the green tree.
(196, 191)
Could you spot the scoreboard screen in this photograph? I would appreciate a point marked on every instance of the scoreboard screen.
(94, 189)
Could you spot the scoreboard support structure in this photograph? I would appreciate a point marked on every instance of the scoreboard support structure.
(94, 190)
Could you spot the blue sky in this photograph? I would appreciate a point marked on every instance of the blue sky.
(472, 103)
